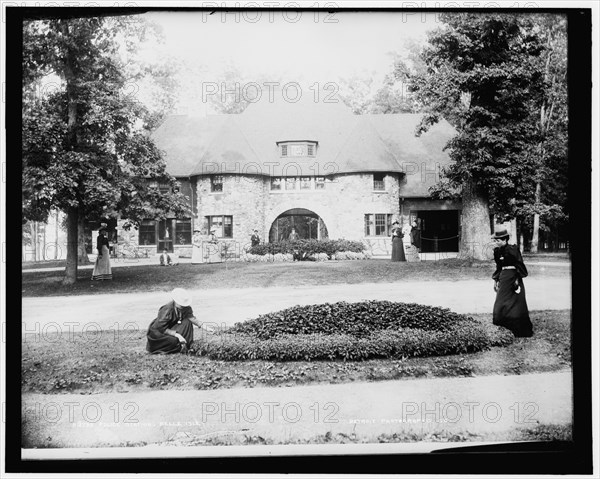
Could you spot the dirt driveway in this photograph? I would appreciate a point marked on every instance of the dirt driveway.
(228, 306)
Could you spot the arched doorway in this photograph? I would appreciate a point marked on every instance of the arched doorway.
(307, 224)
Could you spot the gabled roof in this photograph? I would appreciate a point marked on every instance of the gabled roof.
(246, 143)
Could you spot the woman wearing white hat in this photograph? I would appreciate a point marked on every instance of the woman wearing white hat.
(197, 239)
(510, 307)
(172, 331)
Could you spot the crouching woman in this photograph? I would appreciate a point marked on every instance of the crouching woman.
(172, 331)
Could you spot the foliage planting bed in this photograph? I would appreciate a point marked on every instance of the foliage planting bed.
(353, 331)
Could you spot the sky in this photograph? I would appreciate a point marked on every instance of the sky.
(305, 47)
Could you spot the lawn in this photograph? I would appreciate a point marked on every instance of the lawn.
(146, 278)
(110, 361)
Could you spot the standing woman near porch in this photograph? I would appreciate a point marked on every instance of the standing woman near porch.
(510, 307)
(197, 247)
(102, 267)
(397, 246)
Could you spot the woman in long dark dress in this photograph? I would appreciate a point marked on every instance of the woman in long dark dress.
(510, 307)
(102, 268)
(397, 246)
(172, 331)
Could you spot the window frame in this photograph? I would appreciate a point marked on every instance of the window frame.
(148, 223)
(286, 152)
(214, 185)
(372, 227)
(187, 223)
(278, 181)
(225, 225)
(378, 185)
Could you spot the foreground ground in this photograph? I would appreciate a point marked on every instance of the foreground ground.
(105, 361)
(83, 347)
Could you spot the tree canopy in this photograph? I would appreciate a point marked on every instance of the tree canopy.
(487, 74)
(85, 150)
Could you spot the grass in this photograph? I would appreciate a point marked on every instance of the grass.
(147, 278)
(110, 361)
(541, 432)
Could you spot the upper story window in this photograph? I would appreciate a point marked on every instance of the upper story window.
(300, 183)
(290, 183)
(378, 182)
(216, 184)
(276, 183)
(298, 149)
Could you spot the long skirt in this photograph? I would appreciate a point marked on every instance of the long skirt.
(162, 343)
(510, 307)
(102, 267)
(197, 256)
(398, 249)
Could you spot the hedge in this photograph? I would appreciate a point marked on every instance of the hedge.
(310, 247)
(354, 331)
(399, 344)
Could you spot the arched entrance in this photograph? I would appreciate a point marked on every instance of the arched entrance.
(307, 224)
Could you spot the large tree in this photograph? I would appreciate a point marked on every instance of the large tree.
(481, 76)
(545, 209)
(85, 150)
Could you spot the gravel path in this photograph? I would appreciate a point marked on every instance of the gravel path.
(228, 306)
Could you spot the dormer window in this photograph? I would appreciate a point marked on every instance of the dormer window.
(298, 149)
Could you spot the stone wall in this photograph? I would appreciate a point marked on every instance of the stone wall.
(342, 204)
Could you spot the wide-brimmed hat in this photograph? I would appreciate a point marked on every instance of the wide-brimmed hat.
(213, 229)
(500, 233)
(181, 297)
(197, 230)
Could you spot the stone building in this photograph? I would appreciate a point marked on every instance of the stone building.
(309, 165)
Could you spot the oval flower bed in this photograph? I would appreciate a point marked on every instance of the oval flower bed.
(353, 331)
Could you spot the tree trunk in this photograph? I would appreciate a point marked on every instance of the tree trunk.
(72, 246)
(72, 212)
(56, 236)
(475, 241)
(82, 257)
(32, 229)
(536, 221)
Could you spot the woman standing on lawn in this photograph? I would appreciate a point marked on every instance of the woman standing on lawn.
(197, 247)
(172, 331)
(102, 267)
(397, 246)
(510, 307)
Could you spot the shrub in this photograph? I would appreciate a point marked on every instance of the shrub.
(310, 247)
(354, 331)
(399, 344)
(357, 319)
